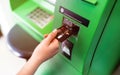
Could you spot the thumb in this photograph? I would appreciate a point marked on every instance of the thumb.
(51, 36)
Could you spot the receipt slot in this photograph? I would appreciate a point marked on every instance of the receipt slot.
(94, 49)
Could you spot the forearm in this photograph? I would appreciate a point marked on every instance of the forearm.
(30, 67)
(44, 51)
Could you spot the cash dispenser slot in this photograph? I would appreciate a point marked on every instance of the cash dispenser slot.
(67, 47)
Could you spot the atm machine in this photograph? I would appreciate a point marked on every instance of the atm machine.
(89, 33)
(89, 38)
(34, 16)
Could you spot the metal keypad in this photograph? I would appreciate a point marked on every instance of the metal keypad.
(40, 17)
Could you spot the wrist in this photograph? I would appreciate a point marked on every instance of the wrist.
(38, 59)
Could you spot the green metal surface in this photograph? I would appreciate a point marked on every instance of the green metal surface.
(84, 50)
(56, 66)
(87, 39)
(21, 12)
(96, 47)
(16, 3)
(107, 54)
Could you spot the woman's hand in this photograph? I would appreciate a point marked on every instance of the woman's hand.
(47, 48)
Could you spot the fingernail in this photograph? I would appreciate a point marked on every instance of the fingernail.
(54, 30)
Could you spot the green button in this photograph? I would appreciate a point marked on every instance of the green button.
(91, 1)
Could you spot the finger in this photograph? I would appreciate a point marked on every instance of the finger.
(51, 36)
(45, 36)
(54, 44)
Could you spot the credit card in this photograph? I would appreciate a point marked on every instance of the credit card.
(67, 29)
(63, 33)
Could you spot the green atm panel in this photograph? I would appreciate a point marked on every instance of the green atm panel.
(107, 54)
(93, 45)
(34, 16)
